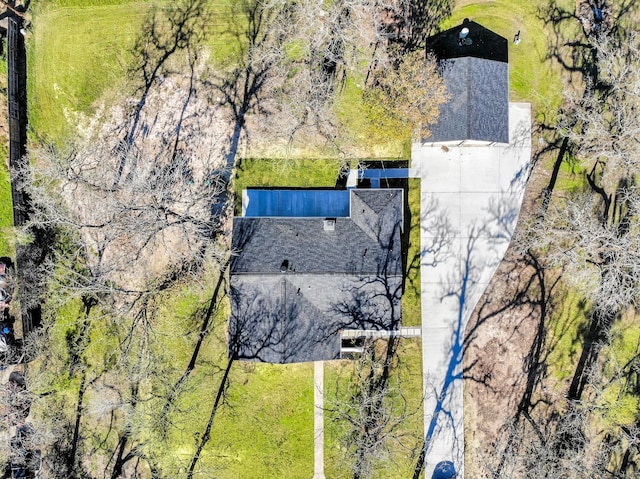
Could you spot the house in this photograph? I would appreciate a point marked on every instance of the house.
(473, 61)
(300, 278)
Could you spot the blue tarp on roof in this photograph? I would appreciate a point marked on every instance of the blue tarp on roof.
(296, 203)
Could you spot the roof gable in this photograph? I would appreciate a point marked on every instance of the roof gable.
(476, 74)
(480, 43)
(478, 107)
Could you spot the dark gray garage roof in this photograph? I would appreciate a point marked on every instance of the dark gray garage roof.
(297, 282)
(477, 80)
(478, 108)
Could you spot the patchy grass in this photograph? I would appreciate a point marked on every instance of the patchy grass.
(406, 386)
(352, 113)
(565, 328)
(264, 428)
(75, 54)
(81, 51)
(619, 404)
(572, 176)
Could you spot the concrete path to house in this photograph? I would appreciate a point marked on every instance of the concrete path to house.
(470, 201)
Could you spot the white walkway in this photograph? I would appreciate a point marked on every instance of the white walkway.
(470, 200)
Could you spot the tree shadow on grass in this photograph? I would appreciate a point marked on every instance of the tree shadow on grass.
(571, 45)
(529, 302)
(241, 86)
(575, 30)
(180, 27)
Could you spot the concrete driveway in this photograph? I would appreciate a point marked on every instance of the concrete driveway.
(470, 201)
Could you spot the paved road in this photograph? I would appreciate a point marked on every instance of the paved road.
(470, 200)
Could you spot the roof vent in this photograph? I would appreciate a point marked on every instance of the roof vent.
(463, 38)
(330, 224)
(284, 266)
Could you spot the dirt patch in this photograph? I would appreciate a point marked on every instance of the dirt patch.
(139, 189)
(501, 347)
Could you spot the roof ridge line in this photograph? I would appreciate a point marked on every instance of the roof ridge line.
(371, 234)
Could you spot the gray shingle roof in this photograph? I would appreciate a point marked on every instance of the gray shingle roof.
(478, 108)
(289, 318)
(348, 277)
(476, 73)
(361, 244)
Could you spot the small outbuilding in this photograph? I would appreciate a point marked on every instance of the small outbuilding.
(473, 61)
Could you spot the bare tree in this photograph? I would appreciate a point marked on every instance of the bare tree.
(371, 409)
(131, 203)
(159, 218)
(592, 234)
(312, 49)
(572, 441)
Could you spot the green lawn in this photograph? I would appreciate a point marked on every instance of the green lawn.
(411, 304)
(351, 111)
(565, 328)
(533, 78)
(268, 429)
(75, 54)
(572, 176)
(6, 209)
(80, 52)
(406, 385)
